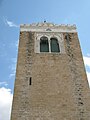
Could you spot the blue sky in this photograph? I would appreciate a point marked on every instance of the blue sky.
(16, 12)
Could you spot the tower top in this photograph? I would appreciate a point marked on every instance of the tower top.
(46, 26)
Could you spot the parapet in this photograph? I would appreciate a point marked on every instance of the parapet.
(48, 27)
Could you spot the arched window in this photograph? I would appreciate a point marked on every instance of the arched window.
(54, 45)
(44, 46)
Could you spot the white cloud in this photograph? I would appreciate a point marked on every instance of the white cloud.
(87, 60)
(87, 64)
(10, 23)
(88, 76)
(3, 84)
(88, 54)
(12, 75)
(12, 67)
(5, 103)
(17, 43)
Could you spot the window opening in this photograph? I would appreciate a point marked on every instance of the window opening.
(44, 45)
(54, 45)
(30, 81)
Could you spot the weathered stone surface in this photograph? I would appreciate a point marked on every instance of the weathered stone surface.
(59, 89)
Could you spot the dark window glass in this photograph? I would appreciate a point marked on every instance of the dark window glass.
(54, 45)
(44, 46)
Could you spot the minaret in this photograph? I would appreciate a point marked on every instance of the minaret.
(51, 82)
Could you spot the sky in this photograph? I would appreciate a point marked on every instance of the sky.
(16, 12)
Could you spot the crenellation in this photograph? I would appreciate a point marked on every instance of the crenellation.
(42, 27)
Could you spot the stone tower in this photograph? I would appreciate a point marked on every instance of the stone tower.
(51, 82)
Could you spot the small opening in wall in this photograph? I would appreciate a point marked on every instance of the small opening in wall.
(30, 81)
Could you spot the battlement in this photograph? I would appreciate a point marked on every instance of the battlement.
(48, 27)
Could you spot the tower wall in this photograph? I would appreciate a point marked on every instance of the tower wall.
(50, 86)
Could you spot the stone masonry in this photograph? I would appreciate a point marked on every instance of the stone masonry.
(50, 86)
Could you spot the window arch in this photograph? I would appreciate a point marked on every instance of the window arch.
(44, 45)
(54, 45)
